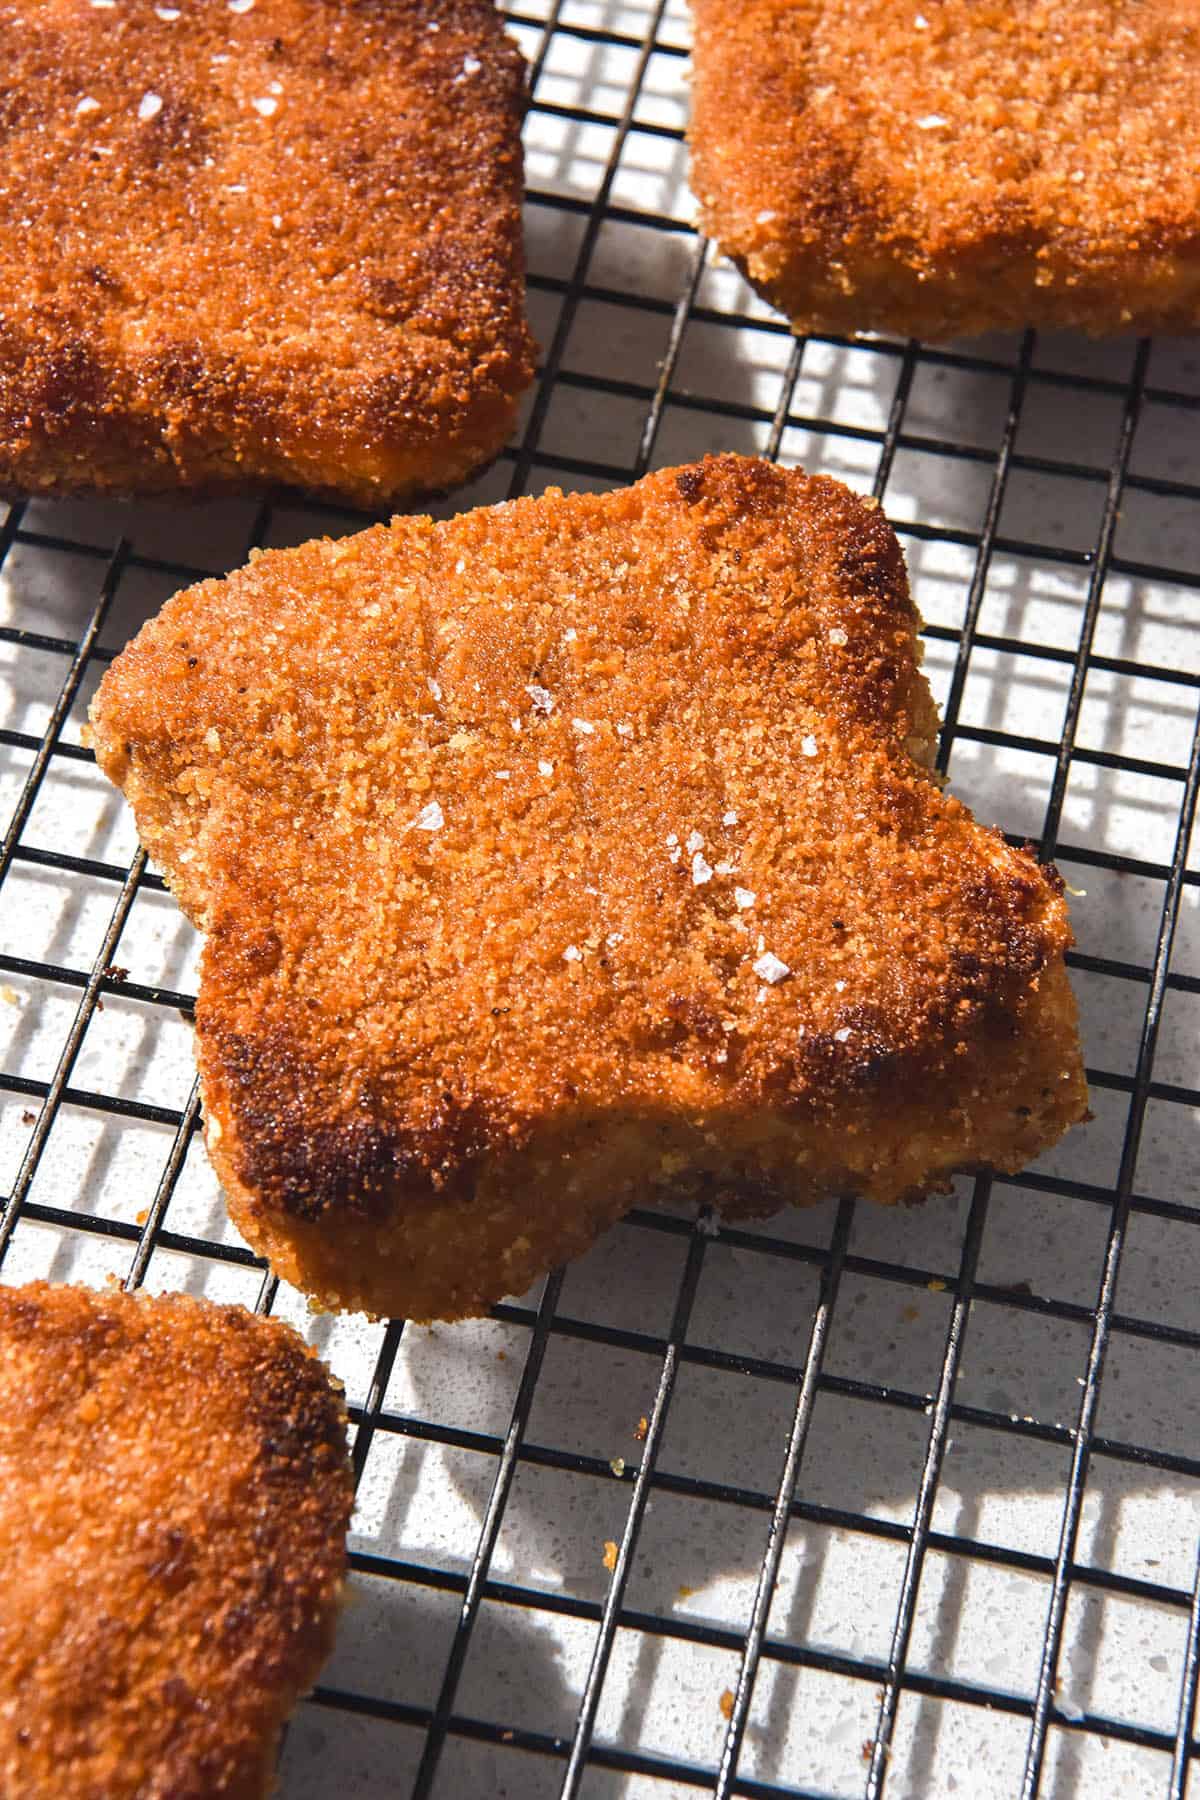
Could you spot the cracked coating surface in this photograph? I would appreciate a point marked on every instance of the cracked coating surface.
(275, 243)
(956, 166)
(501, 832)
(174, 1497)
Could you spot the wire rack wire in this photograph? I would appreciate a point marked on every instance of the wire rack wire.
(933, 1479)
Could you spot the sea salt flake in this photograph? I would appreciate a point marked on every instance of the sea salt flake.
(570, 635)
(931, 122)
(614, 938)
(545, 768)
(808, 745)
(625, 731)
(838, 636)
(265, 105)
(584, 727)
(430, 818)
(694, 842)
(729, 818)
(149, 107)
(724, 868)
(241, 6)
(671, 839)
(543, 700)
(770, 968)
(471, 65)
(766, 218)
(435, 688)
(842, 1036)
(460, 565)
(701, 872)
(87, 105)
(572, 953)
(744, 898)
(168, 14)
(501, 774)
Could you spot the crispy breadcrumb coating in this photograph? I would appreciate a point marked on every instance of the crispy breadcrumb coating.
(255, 244)
(954, 167)
(577, 849)
(174, 1497)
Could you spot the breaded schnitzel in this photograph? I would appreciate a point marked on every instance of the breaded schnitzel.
(174, 1496)
(954, 167)
(274, 241)
(573, 850)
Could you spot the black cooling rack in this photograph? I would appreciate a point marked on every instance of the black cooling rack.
(421, 1733)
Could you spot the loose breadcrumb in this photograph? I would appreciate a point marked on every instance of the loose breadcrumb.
(242, 246)
(980, 167)
(434, 1063)
(174, 1497)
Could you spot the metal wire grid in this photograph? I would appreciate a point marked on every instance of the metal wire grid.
(572, 1763)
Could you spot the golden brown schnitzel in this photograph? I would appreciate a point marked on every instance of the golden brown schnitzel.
(956, 166)
(174, 1496)
(273, 241)
(569, 852)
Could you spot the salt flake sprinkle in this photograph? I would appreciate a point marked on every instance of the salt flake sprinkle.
(838, 636)
(694, 842)
(744, 898)
(543, 699)
(168, 14)
(840, 1037)
(430, 818)
(770, 968)
(808, 745)
(572, 953)
(932, 122)
(729, 818)
(149, 108)
(701, 872)
(241, 6)
(584, 727)
(87, 105)
(265, 105)
(545, 768)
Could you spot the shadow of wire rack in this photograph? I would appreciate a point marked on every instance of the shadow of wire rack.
(895, 1504)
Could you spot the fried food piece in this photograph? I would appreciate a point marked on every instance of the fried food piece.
(957, 167)
(174, 1496)
(574, 850)
(276, 241)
